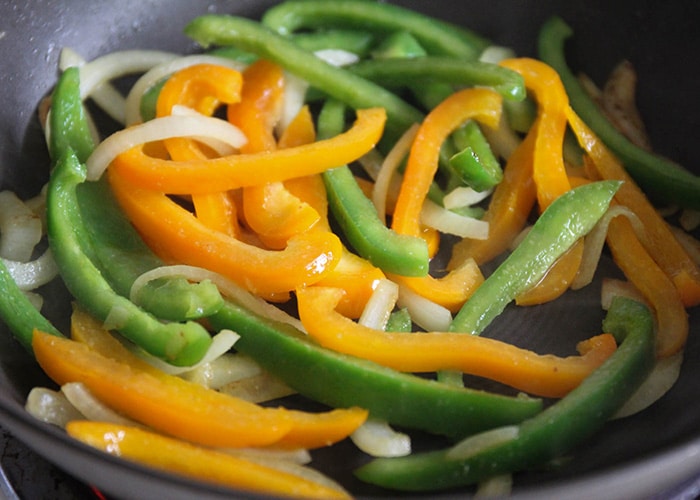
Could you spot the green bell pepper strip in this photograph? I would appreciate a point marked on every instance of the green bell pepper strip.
(555, 431)
(369, 236)
(398, 44)
(430, 69)
(660, 177)
(475, 163)
(355, 41)
(177, 343)
(113, 244)
(18, 313)
(338, 83)
(436, 36)
(570, 217)
(341, 381)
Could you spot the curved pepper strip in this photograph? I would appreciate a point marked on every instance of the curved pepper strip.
(654, 173)
(541, 375)
(338, 83)
(225, 173)
(551, 433)
(203, 87)
(176, 343)
(437, 36)
(658, 238)
(565, 221)
(303, 430)
(341, 381)
(175, 234)
(180, 457)
(269, 209)
(509, 208)
(484, 105)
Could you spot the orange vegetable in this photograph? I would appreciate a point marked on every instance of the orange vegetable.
(221, 174)
(175, 234)
(557, 280)
(658, 238)
(543, 375)
(179, 457)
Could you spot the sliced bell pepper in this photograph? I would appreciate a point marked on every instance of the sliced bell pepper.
(547, 375)
(180, 457)
(221, 174)
(175, 234)
(658, 239)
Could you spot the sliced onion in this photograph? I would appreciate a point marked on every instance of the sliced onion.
(503, 139)
(495, 487)
(20, 228)
(425, 313)
(51, 407)
(35, 273)
(226, 286)
(519, 238)
(464, 196)
(446, 221)
(92, 408)
(389, 167)
(294, 99)
(337, 57)
(496, 53)
(300, 456)
(658, 383)
(163, 70)
(612, 288)
(689, 243)
(689, 219)
(35, 300)
(379, 306)
(377, 438)
(197, 127)
(258, 388)
(483, 441)
(220, 371)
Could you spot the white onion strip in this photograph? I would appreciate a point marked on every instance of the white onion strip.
(20, 228)
(163, 70)
(226, 286)
(377, 439)
(464, 196)
(427, 314)
(91, 407)
(51, 407)
(382, 184)
(33, 274)
(446, 221)
(197, 127)
(379, 306)
(227, 368)
(483, 441)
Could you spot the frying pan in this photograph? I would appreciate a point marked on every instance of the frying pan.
(652, 453)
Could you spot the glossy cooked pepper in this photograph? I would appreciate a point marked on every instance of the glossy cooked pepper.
(341, 381)
(659, 176)
(564, 222)
(548, 435)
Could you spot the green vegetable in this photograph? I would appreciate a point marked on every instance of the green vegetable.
(567, 219)
(399, 44)
(475, 163)
(357, 217)
(438, 37)
(555, 431)
(658, 176)
(355, 41)
(338, 380)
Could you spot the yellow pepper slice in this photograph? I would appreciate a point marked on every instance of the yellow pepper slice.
(230, 172)
(543, 375)
(183, 458)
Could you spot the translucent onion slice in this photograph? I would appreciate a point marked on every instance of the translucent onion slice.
(689, 219)
(495, 487)
(658, 383)
(92, 408)
(424, 312)
(51, 407)
(386, 179)
(611, 288)
(688, 242)
(163, 70)
(337, 57)
(294, 99)
(496, 53)
(20, 228)
(446, 221)
(482, 441)
(198, 127)
(227, 368)
(33, 274)
(503, 139)
(464, 196)
(35, 299)
(379, 306)
(226, 286)
(257, 389)
(299, 456)
(377, 438)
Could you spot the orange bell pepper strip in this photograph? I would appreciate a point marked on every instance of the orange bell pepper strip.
(657, 288)
(510, 206)
(484, 105)
(176, 235)
(202, 87)
(305, 430)
(230, 172)
(658, 238)
(543, 375)
(182, 458)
